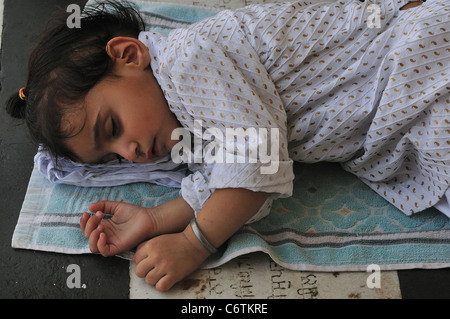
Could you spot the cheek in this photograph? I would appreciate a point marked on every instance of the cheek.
(147, 115)
(146, 121)
(140, 123)
(153, 115)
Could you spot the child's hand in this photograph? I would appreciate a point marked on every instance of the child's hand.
(167, 259)
(128, 227)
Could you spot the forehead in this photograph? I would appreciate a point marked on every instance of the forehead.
(78, 124)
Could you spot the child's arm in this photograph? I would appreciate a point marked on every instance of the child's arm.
(167, 259)
(226, 211)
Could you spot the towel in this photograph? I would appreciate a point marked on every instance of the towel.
(333, 222)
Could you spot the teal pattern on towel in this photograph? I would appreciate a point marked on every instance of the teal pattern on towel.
(334, 222)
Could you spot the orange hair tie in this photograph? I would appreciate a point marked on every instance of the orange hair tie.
(22, 95)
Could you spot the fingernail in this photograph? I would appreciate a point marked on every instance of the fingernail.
(98, 214)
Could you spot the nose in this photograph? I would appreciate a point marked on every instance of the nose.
(128, 150)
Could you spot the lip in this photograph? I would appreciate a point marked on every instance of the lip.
(149, 154)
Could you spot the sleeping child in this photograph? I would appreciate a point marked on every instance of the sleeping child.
(305, 82)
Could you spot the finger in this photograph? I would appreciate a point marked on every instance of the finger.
(92, 223)
(93, 240)
(107, 207)
(153, 276)
(165, 283)
(104, 249)
(143, 267)
(83, 220)
(140, 253)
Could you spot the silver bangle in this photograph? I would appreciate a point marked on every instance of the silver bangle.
(202, 238)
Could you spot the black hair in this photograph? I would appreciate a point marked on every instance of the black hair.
(65, 65)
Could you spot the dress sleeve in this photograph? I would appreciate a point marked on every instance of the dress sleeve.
(195, 191)
(224, 88)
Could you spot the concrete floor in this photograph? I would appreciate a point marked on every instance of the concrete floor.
(23, 273)
(33, 274)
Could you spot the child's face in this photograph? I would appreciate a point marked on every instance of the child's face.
(126, 116)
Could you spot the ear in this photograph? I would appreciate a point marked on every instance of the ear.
(127, 51)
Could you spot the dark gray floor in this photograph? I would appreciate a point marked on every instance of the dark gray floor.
(32, 274)
(23, 273)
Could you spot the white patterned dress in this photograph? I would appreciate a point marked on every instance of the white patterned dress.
(374, 99)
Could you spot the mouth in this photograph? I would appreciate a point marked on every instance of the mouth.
(156, 151)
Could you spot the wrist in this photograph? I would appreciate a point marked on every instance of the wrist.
(171, 216)
(195, 241)
(201, 238)
(154, 223)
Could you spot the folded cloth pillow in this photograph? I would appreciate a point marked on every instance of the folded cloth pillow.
(64, 171)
